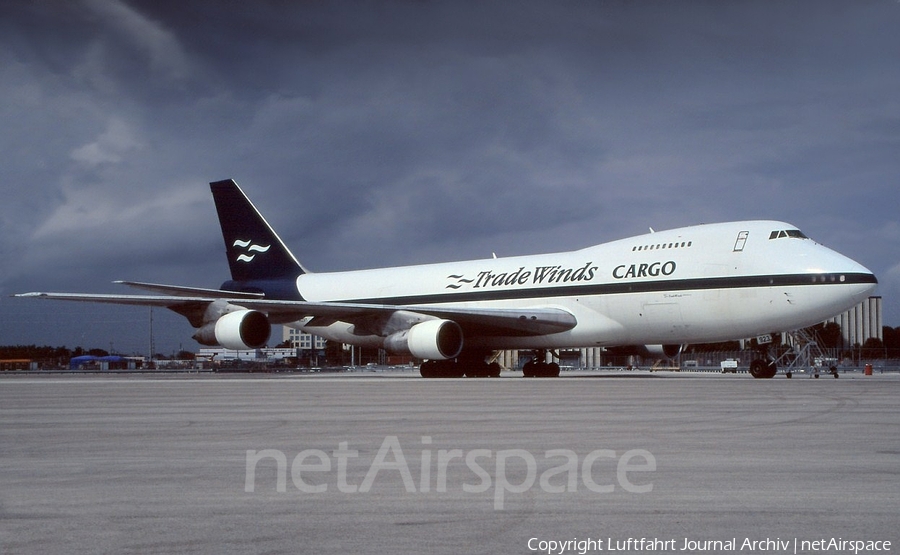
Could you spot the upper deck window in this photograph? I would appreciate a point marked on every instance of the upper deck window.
(794, 233)
(681, 245)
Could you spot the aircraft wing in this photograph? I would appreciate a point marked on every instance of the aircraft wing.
(180, 291)
(483, 321)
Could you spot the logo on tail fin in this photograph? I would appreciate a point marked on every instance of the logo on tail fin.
(250, 247)
(246, 234)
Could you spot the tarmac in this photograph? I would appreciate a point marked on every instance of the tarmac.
(392, 463)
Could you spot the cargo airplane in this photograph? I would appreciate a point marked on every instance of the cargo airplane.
(703, 283)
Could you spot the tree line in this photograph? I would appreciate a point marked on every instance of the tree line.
(62, 355)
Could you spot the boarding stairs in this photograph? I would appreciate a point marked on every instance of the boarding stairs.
(804, 355)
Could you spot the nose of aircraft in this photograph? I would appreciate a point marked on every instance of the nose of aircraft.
(865, 275)
(846, 283)
(830, 262)
(852, 272)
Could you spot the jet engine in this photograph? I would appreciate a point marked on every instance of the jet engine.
(664, 351)
(432, 339)
(241, 329)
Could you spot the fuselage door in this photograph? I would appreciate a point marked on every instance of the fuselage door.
(741, 241)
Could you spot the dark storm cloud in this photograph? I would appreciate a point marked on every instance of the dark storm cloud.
(376, 133)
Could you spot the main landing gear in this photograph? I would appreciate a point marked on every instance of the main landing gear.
(537, 368)
(477, 365)
(466, 365)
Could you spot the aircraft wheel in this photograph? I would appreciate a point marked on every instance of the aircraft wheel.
(474, 366)
(493, 370)
(756, 368)
(528, 369)
(476, 370)
(763, 370)
(440, 369)
(546, 370)
(427, 369)
(484, 371)
(534, 369)
(452, 369)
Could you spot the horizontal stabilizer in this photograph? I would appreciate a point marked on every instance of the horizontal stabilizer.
(133, 300)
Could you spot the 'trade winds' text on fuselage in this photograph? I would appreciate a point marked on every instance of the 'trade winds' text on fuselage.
(558, 274)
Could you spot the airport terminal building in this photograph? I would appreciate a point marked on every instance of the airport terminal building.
(302, 340)
(862, 322)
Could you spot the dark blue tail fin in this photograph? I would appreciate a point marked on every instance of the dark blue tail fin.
(255, 252)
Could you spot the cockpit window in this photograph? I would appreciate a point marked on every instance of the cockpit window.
(793, 233)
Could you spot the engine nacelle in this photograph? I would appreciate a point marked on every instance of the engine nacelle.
(432, 339)
(241, 329)
(664, 351)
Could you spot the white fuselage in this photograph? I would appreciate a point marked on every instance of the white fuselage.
(702, 283)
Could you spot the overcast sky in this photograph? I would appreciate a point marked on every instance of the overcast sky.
(383, 133)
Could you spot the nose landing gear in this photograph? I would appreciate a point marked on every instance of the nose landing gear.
(804, 355)
(760, 368)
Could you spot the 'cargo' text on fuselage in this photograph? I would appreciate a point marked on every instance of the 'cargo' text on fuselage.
(654, 269)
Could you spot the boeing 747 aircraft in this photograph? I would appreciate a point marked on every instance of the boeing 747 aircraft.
(696, 284)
